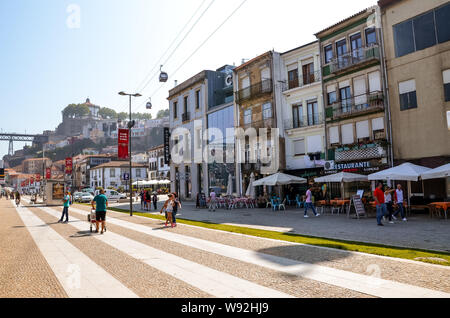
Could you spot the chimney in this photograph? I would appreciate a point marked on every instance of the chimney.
(176, 83)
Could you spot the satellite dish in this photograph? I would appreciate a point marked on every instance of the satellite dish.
(163, 77)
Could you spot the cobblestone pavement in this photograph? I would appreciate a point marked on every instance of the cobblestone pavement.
(419, 232)
(138, 257)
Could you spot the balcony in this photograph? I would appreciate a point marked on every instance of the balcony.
(366, 152)
(356, 58)
(308, 121)
(266, 123)
(186, 117)
(254, 91)
(306, 79)
(357, 105)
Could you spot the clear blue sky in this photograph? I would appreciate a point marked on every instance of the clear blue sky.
(46, 65)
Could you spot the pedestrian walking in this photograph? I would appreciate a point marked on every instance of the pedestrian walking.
(177, 204)
(66, 200)
(389, 203)
(148, 200)
(155, 201)
(399, 199)
(309, 203)
(100, 204)
(168, 209)
(212, 201)
(141, 195)
(17, 198)
(380, 202)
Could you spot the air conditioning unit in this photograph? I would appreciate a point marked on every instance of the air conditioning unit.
(329, 165)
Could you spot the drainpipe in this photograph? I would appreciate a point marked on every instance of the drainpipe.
(386, 88)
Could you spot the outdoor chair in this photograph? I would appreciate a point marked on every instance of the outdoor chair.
(275, 204)
(335, 207)
(319, 207)
(300, 204)
(289, 201)
(282, 205)
(269, 204)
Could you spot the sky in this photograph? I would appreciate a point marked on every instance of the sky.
(54, 53)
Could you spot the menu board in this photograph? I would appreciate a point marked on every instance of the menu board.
(58, 191)
(359, 206)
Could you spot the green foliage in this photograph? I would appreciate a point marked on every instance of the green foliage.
(107, 113)
(163, 113)
(76, 111)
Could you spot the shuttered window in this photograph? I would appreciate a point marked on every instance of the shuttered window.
(314, 144)
(408, 97)
(359, 88)
(347, 134)
(334, 135)
(362, 129)
(375, 82)
(446, 77)
(299, 147)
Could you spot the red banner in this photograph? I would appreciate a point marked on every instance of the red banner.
(123, 144)
(48, 173)
(69, 165)
(38, 177)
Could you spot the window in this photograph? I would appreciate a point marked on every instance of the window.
(299, 147)
(186, 100)
(314, 144)
(161, 162)
(293, 78)
(197, 99)
(175, 110)
(356, 46)
(442, 16)
(308, 73)
(332, 98)
(347, 134)
(334, 135)
(371, 37)
(446, 77)
(297, 116)
(403, 38)
(346, 99)
(112, 173)
(341, 47)
(408, 97)
(362, 130)
(378, 128)
(425, 31)
(313, 113)
(360, 92)
(267, 111)
(248, 117)
(265, 74)
(375, 82)
(138, 173)
(328, 53)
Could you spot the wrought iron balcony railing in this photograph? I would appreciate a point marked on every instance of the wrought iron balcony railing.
(305, 79)
(186, 117)
(254, 91)
(307, 121)
(355, 57)
(356, 105)
(265, 123)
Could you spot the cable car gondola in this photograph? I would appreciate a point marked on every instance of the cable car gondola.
(163, 77)
(149, 104)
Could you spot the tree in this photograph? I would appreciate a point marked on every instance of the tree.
(106, 113)
(76, 111)
(163, 113)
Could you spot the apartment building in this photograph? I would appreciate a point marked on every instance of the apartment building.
(356, 105)
(417, 48)
(258, 105)
(303, 111)
(158, 170)
(36, 165)
(111, 174)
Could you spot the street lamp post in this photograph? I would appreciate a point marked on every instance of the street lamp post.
(130, 126)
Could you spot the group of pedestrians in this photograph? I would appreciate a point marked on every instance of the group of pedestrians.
(147, 198)
(170, 208)
(385, 199)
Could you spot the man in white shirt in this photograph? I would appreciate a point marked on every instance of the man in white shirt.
(399, 201)
(309, 203)
(212, 201)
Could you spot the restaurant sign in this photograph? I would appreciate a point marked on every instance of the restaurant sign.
(356, 167)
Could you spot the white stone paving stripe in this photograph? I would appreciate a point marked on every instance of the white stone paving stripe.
(213, 282)
(78, 274)
(357, 282)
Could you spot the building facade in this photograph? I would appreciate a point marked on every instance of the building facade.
(258, 105)
(356, 104)
(417, 48)
(111, 174)
(303, 111)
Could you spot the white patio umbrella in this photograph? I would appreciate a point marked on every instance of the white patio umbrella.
(438, 173)
(343, 177)
(230, 185)
(405, 172)
(279, 179)
(251, 188)
(164, 182)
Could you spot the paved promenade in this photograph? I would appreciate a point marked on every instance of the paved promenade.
(419, 232)
(139, 257)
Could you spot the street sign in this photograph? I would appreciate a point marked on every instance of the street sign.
(126, 176)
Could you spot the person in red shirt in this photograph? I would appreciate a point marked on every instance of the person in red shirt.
(381, 205)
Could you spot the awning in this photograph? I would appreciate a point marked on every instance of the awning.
(342, 177)
(404, 172)
(438, 173)
(279, 179)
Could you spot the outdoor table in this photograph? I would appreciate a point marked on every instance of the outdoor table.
(445, 206)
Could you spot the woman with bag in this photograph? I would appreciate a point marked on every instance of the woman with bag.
(168, 209)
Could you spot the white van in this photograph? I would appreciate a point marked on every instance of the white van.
(110, 194)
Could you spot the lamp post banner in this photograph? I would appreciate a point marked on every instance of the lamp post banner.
(69, 166)
(123, 144)
(48, 173)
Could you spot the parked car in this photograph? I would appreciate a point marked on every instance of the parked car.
(111, 195)
(77, 196)
(86, 198)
